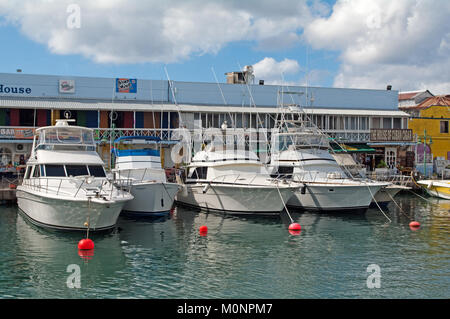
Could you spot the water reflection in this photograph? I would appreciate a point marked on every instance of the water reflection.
(241, 257)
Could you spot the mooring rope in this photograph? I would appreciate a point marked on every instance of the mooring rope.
(282, 200)
(401, 210)
(373, 197)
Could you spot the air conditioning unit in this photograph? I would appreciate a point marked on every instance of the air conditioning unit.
(19, 148)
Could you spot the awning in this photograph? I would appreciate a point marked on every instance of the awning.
(344, 159)
(352, 148)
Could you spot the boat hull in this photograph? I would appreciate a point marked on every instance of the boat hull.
(438, 191)
(68, 214)
(151, 198)
(235, 200)
(321, 197)
(384, 196)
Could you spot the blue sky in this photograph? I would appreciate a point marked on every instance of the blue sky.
(353, 43)
(35, 58)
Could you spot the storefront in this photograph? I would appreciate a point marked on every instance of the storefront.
(394, 149)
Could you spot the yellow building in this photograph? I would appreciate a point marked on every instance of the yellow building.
(431, 118)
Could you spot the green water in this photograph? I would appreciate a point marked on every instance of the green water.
(239, 258)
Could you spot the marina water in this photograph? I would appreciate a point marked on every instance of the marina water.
(241, 257)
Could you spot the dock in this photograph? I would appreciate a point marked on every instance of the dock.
(8, 189)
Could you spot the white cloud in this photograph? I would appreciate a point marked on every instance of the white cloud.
(271, 71)
(136, 31)
(404, 43)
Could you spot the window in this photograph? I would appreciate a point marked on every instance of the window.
(55, 171)
(36, 171)
(76, 170)
(397, 122)
(353, 123)
(28, 172)
(387, 122)
(200, 173)
(376, 122)
(444, 127)
(97, 171)
(363, 123)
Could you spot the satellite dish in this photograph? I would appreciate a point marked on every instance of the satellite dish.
(67, 114)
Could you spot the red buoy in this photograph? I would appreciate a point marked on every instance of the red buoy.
(294, 232)
(414, 225)
(295, 227)
(86, 254)
(203, 230)
(86, 244)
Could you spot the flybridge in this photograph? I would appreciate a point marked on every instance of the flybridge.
(14, 90)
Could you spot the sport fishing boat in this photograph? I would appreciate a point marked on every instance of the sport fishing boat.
(65, 185)
(436, 188)
(138, 160)
(396, 183)
(302, 155)
(387, 193)
(234, 182)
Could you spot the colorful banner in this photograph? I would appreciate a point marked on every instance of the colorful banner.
(126, 85)
(17, 133)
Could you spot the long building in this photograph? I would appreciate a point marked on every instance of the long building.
(366, 121)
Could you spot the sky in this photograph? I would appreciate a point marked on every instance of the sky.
(329, 43)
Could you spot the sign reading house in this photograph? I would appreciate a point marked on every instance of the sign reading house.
(11, 89)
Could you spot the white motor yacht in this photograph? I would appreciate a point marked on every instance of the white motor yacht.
(302, 154)
(65, 185)
(138, 160)
(234, 182)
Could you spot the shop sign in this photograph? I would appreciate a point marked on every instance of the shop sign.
(126, 85)
(391, 135)
(14, 90)
(67, 86)
(17, 133)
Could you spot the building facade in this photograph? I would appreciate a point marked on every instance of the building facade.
(124, 106)
(430, 124)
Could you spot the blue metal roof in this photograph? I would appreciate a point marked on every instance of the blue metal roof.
(89, 89)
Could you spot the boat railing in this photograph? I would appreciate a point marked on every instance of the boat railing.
(397, 179)
(234, 178)
(249, 178)
(52, 185)
(137, 177)
(320, 177)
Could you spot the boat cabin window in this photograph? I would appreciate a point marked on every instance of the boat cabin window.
(66, 138)
(77, 170)
(285, 170)
(199, 173)
(96, 171)
(55, 170)
(36, 172)
(27, 172)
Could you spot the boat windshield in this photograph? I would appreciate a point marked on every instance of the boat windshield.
(300, 140)
(66, 138)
